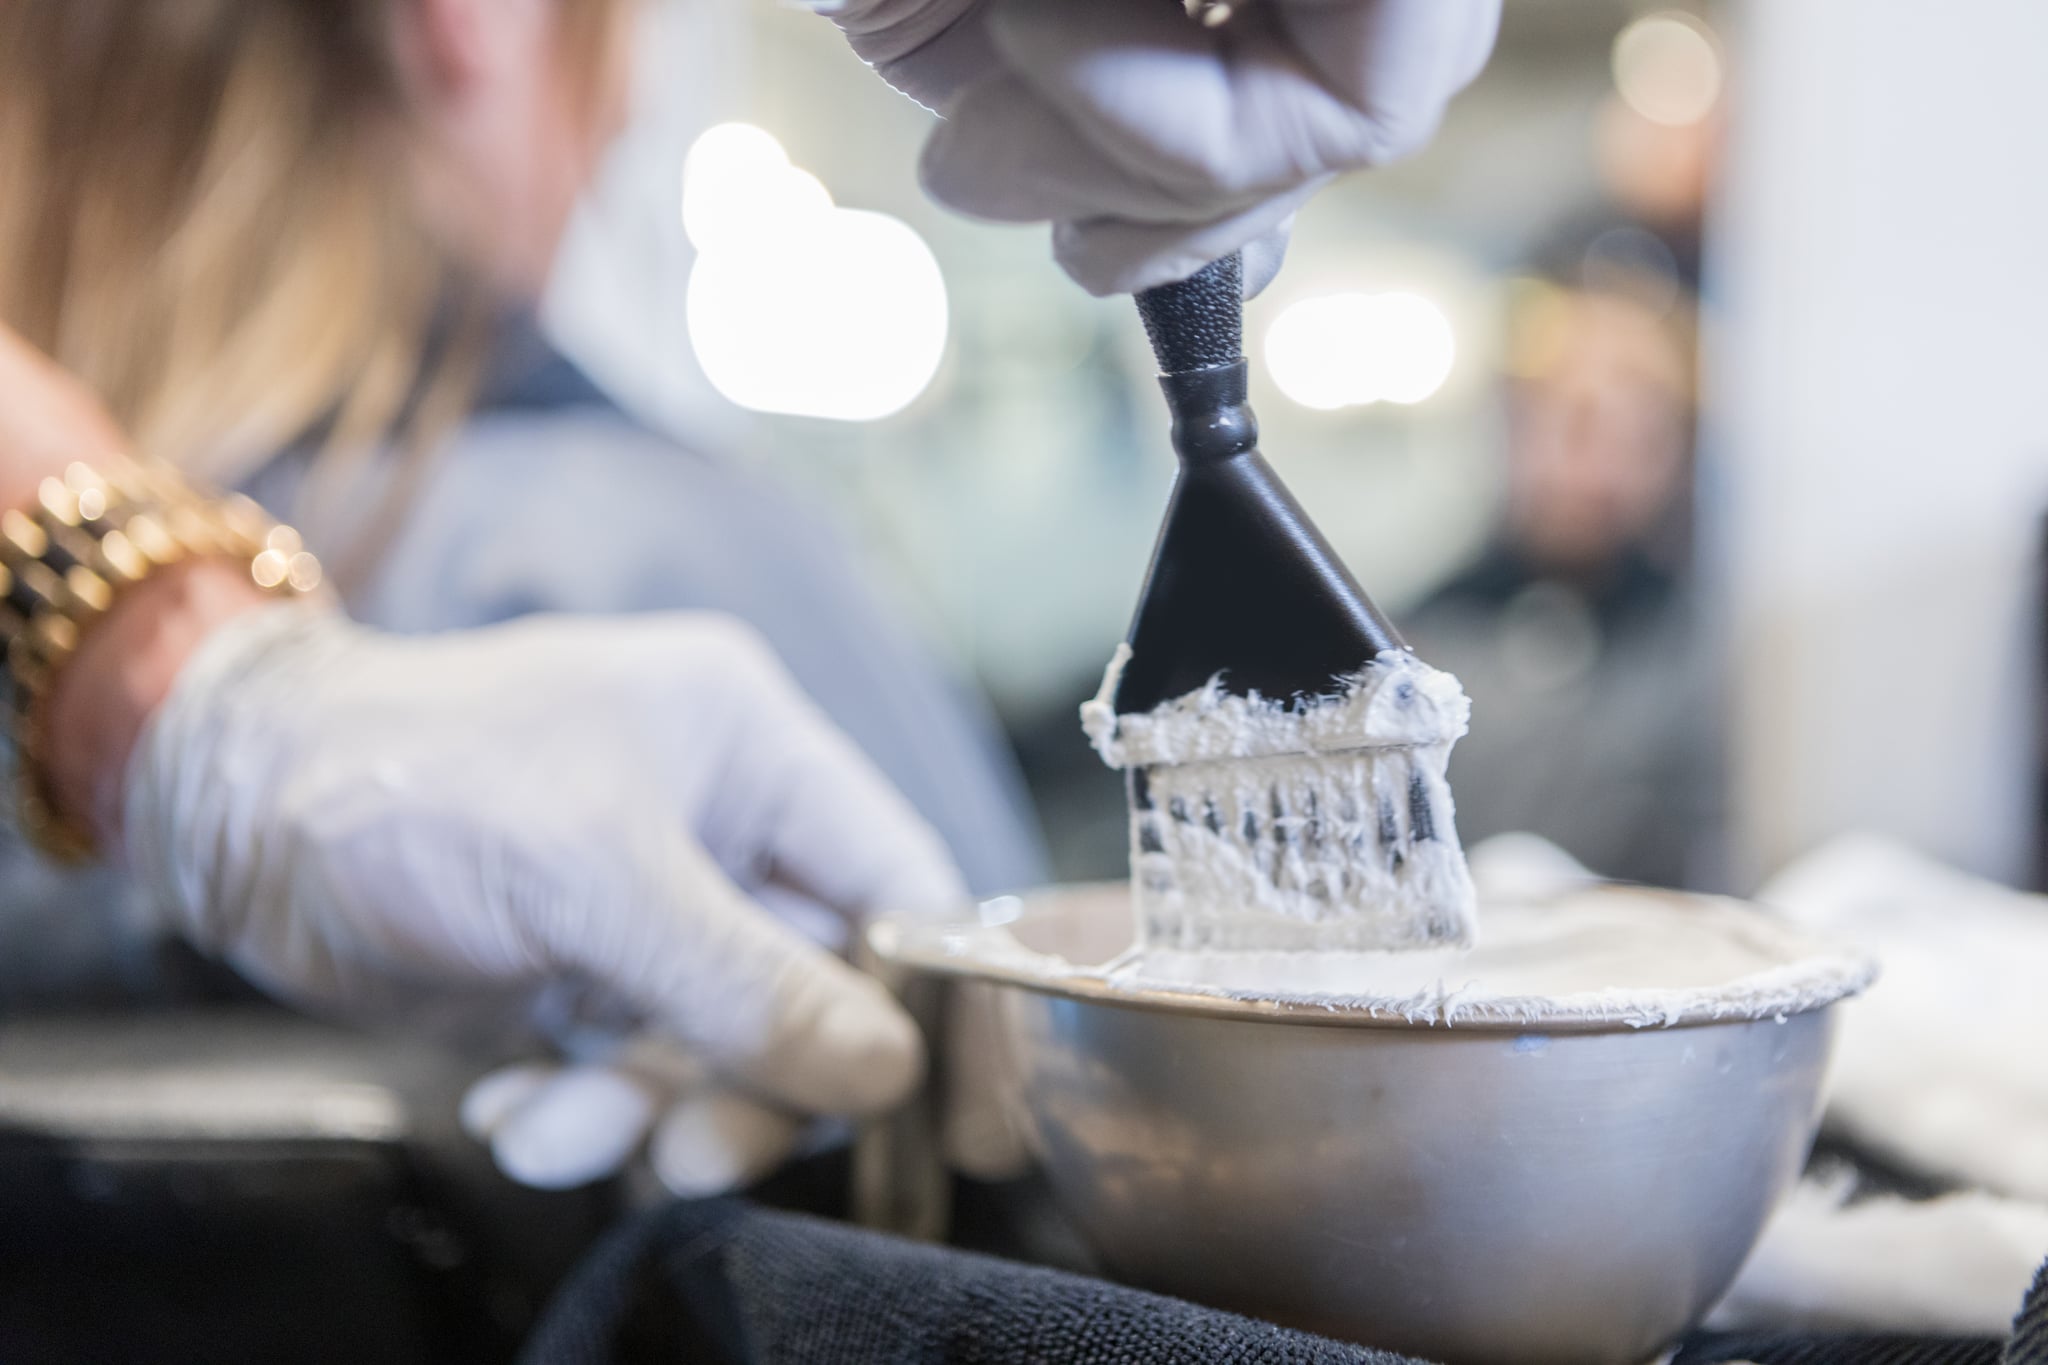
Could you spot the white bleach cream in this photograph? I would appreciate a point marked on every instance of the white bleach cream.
(1324, 823)
(1599, 956)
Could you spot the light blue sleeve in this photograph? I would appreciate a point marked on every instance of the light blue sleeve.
(577, 509)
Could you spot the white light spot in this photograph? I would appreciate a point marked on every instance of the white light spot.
(797, 306)
(1350, 350)
(1667, 67)
(1001, 910)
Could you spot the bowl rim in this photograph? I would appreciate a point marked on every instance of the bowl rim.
(920, 943)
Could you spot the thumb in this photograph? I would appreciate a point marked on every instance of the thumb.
(1264, 255)
(718, 1140)
(692, 955)
(555, 1128)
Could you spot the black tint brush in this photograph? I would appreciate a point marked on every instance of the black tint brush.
(1285, 751)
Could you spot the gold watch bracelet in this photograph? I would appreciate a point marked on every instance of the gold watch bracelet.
(92, 535)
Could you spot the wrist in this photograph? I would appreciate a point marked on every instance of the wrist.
(124, 668)
(130, 539)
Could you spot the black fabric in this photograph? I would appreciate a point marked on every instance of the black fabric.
(2029, 1344)
(1848, 1350)
(722, 1282)
(767, 1288)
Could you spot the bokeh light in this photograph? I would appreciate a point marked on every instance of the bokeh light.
(1667, 67)
(797, 306)
(1353, 349)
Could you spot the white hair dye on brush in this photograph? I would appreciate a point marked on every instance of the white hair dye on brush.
(1324, 823)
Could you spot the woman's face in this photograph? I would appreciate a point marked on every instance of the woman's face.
(1598, 441)
(515, 110)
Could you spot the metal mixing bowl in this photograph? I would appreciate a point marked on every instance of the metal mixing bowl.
(1478, 1195)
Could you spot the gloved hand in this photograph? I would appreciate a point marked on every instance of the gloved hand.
(560, 830)
(1155, 143)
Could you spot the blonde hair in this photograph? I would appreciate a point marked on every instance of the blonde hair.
(204, 215)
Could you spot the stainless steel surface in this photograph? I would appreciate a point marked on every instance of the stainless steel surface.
(900, 1181)
(1473, 1197)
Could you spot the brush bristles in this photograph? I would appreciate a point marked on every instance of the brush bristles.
(1318, 822)
(1353, 850)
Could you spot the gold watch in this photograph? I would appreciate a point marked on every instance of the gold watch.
(92, 535)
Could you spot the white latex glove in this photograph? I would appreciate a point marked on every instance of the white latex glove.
(1959, 1265)
(1938, 1065)
(1154, 143)
(562, 831)
(1519, 866)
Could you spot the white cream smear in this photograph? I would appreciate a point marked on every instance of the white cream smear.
(1322, 824)
(1603, 956)
(1303, 858)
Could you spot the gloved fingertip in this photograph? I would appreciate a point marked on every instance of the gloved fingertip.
(1123, 256)
(848, 1053)
(1107, 257)
(579, 1127)
(880, 1048)
(928, 886)
(1264, 255)
(720, 1141)
(489, 1101)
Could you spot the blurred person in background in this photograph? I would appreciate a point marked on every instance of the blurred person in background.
(1576, 631)
(293, 245)
(296, 247)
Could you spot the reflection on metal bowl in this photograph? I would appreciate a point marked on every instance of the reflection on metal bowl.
(1477, 1195)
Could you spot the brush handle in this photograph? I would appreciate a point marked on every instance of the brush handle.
(1197, 331)
(1197, 323)
(1242, 585)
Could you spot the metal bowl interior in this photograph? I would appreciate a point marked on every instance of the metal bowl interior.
(1470, 1196)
